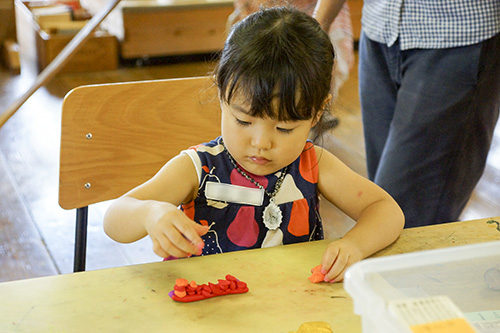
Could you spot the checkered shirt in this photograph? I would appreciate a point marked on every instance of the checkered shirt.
(430, 24)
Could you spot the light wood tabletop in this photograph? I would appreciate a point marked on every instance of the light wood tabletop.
(280, 296)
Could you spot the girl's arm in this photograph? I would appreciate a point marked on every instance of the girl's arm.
(379, 219)
(151, 208)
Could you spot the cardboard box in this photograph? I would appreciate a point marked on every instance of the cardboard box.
(429, 290)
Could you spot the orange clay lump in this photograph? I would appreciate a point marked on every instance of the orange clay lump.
(185, 291)
(316, 275)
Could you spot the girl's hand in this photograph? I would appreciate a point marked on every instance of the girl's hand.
(174, 234)
(338, 256)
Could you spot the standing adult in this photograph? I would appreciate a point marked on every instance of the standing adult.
(429, 79)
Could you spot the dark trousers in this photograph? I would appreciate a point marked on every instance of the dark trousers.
(428, 117)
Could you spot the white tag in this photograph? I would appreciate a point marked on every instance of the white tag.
(425, 310)
(234, 193)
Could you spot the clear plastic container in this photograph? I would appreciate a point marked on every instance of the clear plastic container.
(395, 293)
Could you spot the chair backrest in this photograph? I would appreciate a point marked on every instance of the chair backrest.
(116, 136)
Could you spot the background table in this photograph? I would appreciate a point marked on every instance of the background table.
(280, 299)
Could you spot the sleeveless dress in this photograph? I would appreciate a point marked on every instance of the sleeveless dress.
(226, 201)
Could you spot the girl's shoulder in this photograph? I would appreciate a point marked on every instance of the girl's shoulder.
(321, 152)
(326, 159)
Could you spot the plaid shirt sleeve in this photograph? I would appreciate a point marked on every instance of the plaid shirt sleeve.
(431, 23)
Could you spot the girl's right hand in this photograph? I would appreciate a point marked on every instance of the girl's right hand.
(339, 255)
(174, 234)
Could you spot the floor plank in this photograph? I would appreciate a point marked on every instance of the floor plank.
(22, 250)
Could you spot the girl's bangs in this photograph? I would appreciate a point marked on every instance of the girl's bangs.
(265, 97)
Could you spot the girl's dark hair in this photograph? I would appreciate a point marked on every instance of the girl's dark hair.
(277, 52)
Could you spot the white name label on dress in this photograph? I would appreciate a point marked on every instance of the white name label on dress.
(234, 193)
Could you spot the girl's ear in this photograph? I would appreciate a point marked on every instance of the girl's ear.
(323, 107)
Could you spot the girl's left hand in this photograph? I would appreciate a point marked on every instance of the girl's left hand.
(338, 256)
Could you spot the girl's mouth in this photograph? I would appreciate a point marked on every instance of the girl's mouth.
(259, 160)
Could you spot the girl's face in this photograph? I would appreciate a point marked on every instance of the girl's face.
(261, 146)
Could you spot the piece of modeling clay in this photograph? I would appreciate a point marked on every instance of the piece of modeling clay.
(181, 282)
(185, 291)
(316, 275)
(316, 327)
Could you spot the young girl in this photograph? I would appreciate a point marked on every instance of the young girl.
(258, 184)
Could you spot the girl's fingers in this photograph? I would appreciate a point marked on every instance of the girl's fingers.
(187, 238)
(334, 263)
(170, 248)
(201, 229)
(158, 249)
(336, 273)
(328, 259)
(177, 235)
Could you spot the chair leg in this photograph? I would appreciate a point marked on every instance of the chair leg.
(80, 239)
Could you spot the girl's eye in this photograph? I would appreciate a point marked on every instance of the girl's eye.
(242, 123)
(284, 130)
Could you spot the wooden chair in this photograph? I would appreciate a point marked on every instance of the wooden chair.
(116, 136)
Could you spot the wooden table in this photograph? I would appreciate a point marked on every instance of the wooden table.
(135, 298)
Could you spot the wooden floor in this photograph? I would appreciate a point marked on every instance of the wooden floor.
(36, 235)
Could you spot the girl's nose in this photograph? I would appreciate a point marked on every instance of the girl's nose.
(261, 139)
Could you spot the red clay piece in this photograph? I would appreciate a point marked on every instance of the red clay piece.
(181, 282)
(316, 276)
(191, 292)
(180, 293)
(179, 288)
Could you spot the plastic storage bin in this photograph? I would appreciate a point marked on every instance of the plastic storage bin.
(429, 291)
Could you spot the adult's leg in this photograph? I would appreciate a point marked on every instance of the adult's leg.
(439, 138)
(378, 86)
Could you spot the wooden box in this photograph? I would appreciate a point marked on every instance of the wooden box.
(199, 27)
(151, 28)
(99, 53)
(38, 48)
